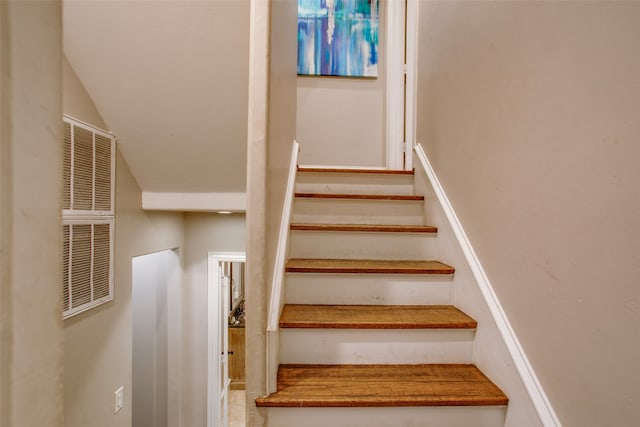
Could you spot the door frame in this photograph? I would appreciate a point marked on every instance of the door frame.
(214, 329)
(411, 70)
(401, 86)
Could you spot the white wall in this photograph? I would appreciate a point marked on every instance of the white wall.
(529, 114)
(205, 232)
(30, 214)
(341, 121)
(156, 324)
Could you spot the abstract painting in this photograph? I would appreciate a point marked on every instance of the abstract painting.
(338, 38)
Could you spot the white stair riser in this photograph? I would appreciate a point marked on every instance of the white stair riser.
(350, 211)
(357, 245)
(458, 416)
(354, 184)
(367, 289)
(375, 346)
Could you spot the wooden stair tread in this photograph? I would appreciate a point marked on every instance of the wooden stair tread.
(377, 228)
(382, 385)
(305, 265)
(375, 317)
(393, 197)
(355, 171)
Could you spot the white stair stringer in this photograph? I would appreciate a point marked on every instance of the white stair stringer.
(375, 346)
(434, 416)
(367, 289)
(350, 183)
(356, 211)
(359, 245)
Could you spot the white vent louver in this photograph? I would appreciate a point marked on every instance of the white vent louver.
(89, 170)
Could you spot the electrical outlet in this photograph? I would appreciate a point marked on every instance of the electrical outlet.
(119, 399)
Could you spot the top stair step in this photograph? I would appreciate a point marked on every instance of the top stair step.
(399, 197)
(355, 171)
(363, 181)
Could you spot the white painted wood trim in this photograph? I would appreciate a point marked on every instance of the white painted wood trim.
(194, 202)
(273, 359)
(411, 89)
(277, 287)
(395, 84)
(534, 388)
(90, 127)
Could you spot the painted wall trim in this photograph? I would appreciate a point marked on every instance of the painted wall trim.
(395, 84)
(89, 126)
(194, 202)
(277, 287)
(534, 388)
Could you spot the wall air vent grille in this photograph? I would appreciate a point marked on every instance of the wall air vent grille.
(89, 157)
(88, 217)
(87, 265)
(102, 200)
(66, 199)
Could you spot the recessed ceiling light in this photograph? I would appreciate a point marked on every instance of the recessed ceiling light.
(224, 212)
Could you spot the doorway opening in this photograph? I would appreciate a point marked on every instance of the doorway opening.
(155, 339)
(225, 290)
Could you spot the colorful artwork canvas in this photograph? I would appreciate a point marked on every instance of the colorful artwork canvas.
(338, 38)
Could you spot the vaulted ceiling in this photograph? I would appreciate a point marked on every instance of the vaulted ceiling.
(170, 80)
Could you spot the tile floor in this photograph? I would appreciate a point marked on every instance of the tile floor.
(237, 408)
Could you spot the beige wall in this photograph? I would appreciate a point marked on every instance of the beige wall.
(77, 102)
(255, 291)
(272, 122)
(282, 113)
(92, 376)
(341, 121)
(529, 114)
(205, 232)
(30, 214)
(98, 343)
(180, 69)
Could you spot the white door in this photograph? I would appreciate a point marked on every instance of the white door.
(401, 85)
(224, 344)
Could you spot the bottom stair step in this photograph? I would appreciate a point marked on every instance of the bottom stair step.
(382, 386)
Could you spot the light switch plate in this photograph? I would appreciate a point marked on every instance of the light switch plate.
(119, 399)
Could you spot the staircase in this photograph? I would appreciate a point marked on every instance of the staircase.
(368, 336)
